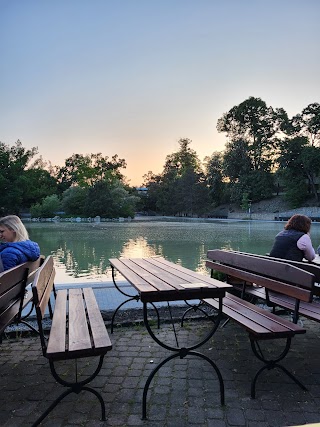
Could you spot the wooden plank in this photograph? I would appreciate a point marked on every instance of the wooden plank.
(264, 266)
(162, 282)
(43, 282)
(133, 278)
(8, 315)
(10, 278)
(259, 322)
(186, 274)
(269, 320)
(312, 267)
(137, 265)
(98, 328)
(57, 338)
(309, 310)
(277, 286)
(79, 337)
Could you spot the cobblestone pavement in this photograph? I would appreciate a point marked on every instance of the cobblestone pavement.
(184, 392)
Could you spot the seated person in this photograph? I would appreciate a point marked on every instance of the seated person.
(294, 241)
(16, 248)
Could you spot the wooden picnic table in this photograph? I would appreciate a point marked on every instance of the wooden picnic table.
(157, 279)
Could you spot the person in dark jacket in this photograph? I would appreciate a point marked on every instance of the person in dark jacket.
(16, 248)
(294, 241)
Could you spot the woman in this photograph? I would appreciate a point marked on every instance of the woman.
(16, 248)
(294, 241)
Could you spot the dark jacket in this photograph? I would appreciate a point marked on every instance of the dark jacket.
(285, 245)
(16, 253)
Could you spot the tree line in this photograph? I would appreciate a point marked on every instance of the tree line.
(265, 151)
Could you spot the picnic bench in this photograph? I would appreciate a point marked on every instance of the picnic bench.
(77, 331)
(261, 325)
(13, 295)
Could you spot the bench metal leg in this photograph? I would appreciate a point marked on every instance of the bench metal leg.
(271, 364)
(75, 387)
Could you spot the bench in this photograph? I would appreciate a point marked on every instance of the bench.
(77, 331)
(13, 295)
(260, 324)
(310, 310)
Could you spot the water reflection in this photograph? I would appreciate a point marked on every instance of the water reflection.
(81, 251)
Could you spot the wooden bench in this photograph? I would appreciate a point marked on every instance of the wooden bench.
(310, 310)
(77, 331)
(13, 295)
(260, 324)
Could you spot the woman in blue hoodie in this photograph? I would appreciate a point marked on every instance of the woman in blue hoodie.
(16, 248)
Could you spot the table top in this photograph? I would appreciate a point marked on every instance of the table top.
(157, 279)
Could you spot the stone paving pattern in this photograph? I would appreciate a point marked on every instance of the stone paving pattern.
(185, 392)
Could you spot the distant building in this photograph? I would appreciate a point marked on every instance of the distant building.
(142, 190)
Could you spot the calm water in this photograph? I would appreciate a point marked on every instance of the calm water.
(81, 251)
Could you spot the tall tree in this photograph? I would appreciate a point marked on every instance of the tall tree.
(214, 176)
(85, 171)
(308, 123)
(14, 162)
(257, 124)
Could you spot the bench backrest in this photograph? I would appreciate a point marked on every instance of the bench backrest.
(12, 288)
(304, 265)
(42, 287)
(271, 273)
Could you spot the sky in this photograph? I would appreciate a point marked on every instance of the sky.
(132, 77)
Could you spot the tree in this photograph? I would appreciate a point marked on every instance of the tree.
(308, 123)
(257, 124)
(14, 162)
(73, 200)
(214, 176)
(109, 200)
(86, 171)
(253, 130)
(47, 208)
(299, 164)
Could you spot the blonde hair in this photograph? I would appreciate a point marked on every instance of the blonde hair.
(15, 224)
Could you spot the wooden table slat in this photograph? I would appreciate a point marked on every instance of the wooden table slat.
(152, 276)
(128, 274)
(162, 281)
(186, 272)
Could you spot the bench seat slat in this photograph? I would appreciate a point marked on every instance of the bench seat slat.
(79, 337)
(259, 322)
(57, 339)
(100, 335)
(309, 310)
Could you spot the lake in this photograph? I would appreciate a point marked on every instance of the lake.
(81, 250)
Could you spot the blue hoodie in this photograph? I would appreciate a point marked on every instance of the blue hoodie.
(16, 253)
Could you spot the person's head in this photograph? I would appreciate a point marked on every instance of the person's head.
(12, 229)
(299, 222)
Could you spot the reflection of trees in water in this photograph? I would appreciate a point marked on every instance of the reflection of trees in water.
(84, 250)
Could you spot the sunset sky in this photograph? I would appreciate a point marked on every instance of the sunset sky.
(132, 77)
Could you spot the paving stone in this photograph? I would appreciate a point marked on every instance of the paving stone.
(183, 393)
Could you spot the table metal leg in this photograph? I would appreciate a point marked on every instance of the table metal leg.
(130, 298)
(181, 352)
